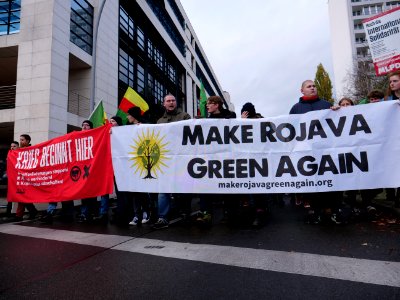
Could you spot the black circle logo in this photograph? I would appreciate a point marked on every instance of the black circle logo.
(75, 173)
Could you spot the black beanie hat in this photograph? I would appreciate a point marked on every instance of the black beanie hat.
(249, 107)
(88, 122)
(117, 119)
(135, 112)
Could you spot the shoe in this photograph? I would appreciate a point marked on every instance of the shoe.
(146, 218)
(312, 218)
(17, 219)
(134, 221)
(46, 219)
(161, 223)
(204, 218)
(335, 219)
(32, 215)
(82, 219)
(102, 219)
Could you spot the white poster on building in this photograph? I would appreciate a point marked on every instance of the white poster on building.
(352, 148)
(383, 36)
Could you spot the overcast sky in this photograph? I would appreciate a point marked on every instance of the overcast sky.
(261, 50)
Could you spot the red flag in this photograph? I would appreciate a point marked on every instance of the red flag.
(74, 166)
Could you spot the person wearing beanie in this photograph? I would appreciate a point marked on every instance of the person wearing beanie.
(116, 121)
(135, 116)
(88, 204)
(248, 111)
(87, 124)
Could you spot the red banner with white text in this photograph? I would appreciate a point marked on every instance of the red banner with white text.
(74, 166)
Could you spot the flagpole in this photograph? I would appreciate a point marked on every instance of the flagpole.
(93, 75)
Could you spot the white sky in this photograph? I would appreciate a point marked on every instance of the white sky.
(262, 50)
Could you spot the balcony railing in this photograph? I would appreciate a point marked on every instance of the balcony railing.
(78, 104)
(7, 96)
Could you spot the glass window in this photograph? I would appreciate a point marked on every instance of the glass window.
(81, 30)
(125, 68)
(126, 23)
(10, 20)
(140, 79)
(140, 38)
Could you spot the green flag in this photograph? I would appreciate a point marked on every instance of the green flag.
(203, 101)
(98, 115)
(120, 113)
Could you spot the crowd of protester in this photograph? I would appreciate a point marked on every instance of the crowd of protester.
(134, 208)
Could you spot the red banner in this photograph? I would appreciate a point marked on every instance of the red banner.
(74, 166)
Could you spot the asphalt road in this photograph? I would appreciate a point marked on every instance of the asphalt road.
(286, 259)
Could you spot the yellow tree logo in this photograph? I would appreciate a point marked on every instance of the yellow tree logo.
(148, 154)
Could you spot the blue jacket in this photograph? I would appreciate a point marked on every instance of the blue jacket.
(303, 106)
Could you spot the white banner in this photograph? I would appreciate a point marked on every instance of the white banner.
(352, 148)
(383, 36)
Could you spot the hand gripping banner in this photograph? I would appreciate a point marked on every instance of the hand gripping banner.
(74, 166)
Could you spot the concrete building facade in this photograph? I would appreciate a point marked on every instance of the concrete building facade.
(349, 44)
(56, 65)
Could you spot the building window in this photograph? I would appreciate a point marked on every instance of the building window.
(158, 91)
(159, 58)
(140, 38)
(140, 79)
(126, 23)
(82, 25)
(126, 68)
(10, 12)
(171, 72)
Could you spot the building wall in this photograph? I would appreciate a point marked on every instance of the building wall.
(348, 35)
(50, 68)
(342, 43)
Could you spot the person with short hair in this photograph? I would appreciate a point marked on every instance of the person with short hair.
(344, 102)
(393, 93)
(25, 141)
(310, 100)
(172, 114)
(316, 203)
(215, 110)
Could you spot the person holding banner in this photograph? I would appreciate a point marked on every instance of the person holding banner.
(394, 86)
(88, 204)
(215, 111)
(105, 199)
(172, 114)
(141, 201)
(316, 203)
(13, 146)
(393, 93)
(25, 141)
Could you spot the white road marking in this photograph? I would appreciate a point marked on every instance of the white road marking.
(352, 269)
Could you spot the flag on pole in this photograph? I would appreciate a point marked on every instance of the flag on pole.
(131, 99)
(98, 115)
(203, 101)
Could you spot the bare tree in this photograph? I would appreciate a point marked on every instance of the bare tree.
(362, 80)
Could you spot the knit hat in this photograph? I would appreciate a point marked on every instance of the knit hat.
(88, 122)
(117, 119)
(249, 107)
(135, 112)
